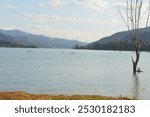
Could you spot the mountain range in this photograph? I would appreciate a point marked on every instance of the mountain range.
(121, 41)
(17, 38)
(117, 41)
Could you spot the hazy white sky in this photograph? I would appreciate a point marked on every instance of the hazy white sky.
(84, 20)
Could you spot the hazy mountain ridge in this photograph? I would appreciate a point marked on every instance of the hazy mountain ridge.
(40, 41)
(121, 41)
(8, 41)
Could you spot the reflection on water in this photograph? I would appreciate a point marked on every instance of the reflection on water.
(136, 86)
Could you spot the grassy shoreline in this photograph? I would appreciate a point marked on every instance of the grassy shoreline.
(20, 95)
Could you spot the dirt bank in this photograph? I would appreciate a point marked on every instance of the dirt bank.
(20, 95)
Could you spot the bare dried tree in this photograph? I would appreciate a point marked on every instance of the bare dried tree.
(133, 16)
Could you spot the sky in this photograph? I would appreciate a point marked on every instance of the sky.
(83, 20)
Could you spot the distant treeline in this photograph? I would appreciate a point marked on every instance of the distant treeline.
(125, 46)
(11, 44)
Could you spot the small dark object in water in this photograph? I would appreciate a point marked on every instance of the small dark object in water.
(72, 53)
(139, 70)
(28, 51)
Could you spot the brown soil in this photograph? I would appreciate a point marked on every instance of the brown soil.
(20, 95)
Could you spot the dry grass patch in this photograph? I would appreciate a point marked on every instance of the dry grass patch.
(20, 95)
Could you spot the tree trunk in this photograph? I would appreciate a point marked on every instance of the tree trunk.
(135, 63)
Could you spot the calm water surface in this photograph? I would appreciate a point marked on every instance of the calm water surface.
(63, 71)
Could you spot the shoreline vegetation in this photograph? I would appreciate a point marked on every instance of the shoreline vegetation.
(20, 95)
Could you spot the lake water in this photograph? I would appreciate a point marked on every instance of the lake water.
(69, 72)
